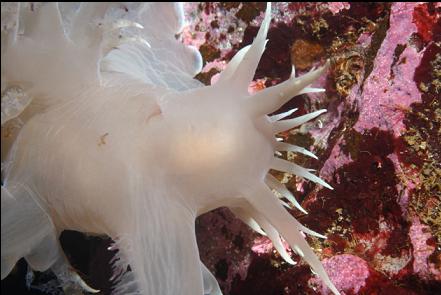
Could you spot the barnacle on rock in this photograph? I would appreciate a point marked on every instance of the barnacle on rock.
(348, 71)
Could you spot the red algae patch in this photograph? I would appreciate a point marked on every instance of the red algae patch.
(304, 53)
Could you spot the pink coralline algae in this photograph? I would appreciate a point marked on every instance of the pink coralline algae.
(348, 270)
(336, 7)
(419, 235)
(387, 91)
(336, 159)
(226, 252)
(263, 245)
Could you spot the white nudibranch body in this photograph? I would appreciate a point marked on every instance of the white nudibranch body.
(119, 139)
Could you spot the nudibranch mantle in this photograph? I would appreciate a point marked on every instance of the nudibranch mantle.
(119, 139)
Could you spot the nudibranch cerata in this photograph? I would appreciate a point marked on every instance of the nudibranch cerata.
(117, 138)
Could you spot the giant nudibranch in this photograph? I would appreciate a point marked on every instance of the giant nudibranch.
(117, 138)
